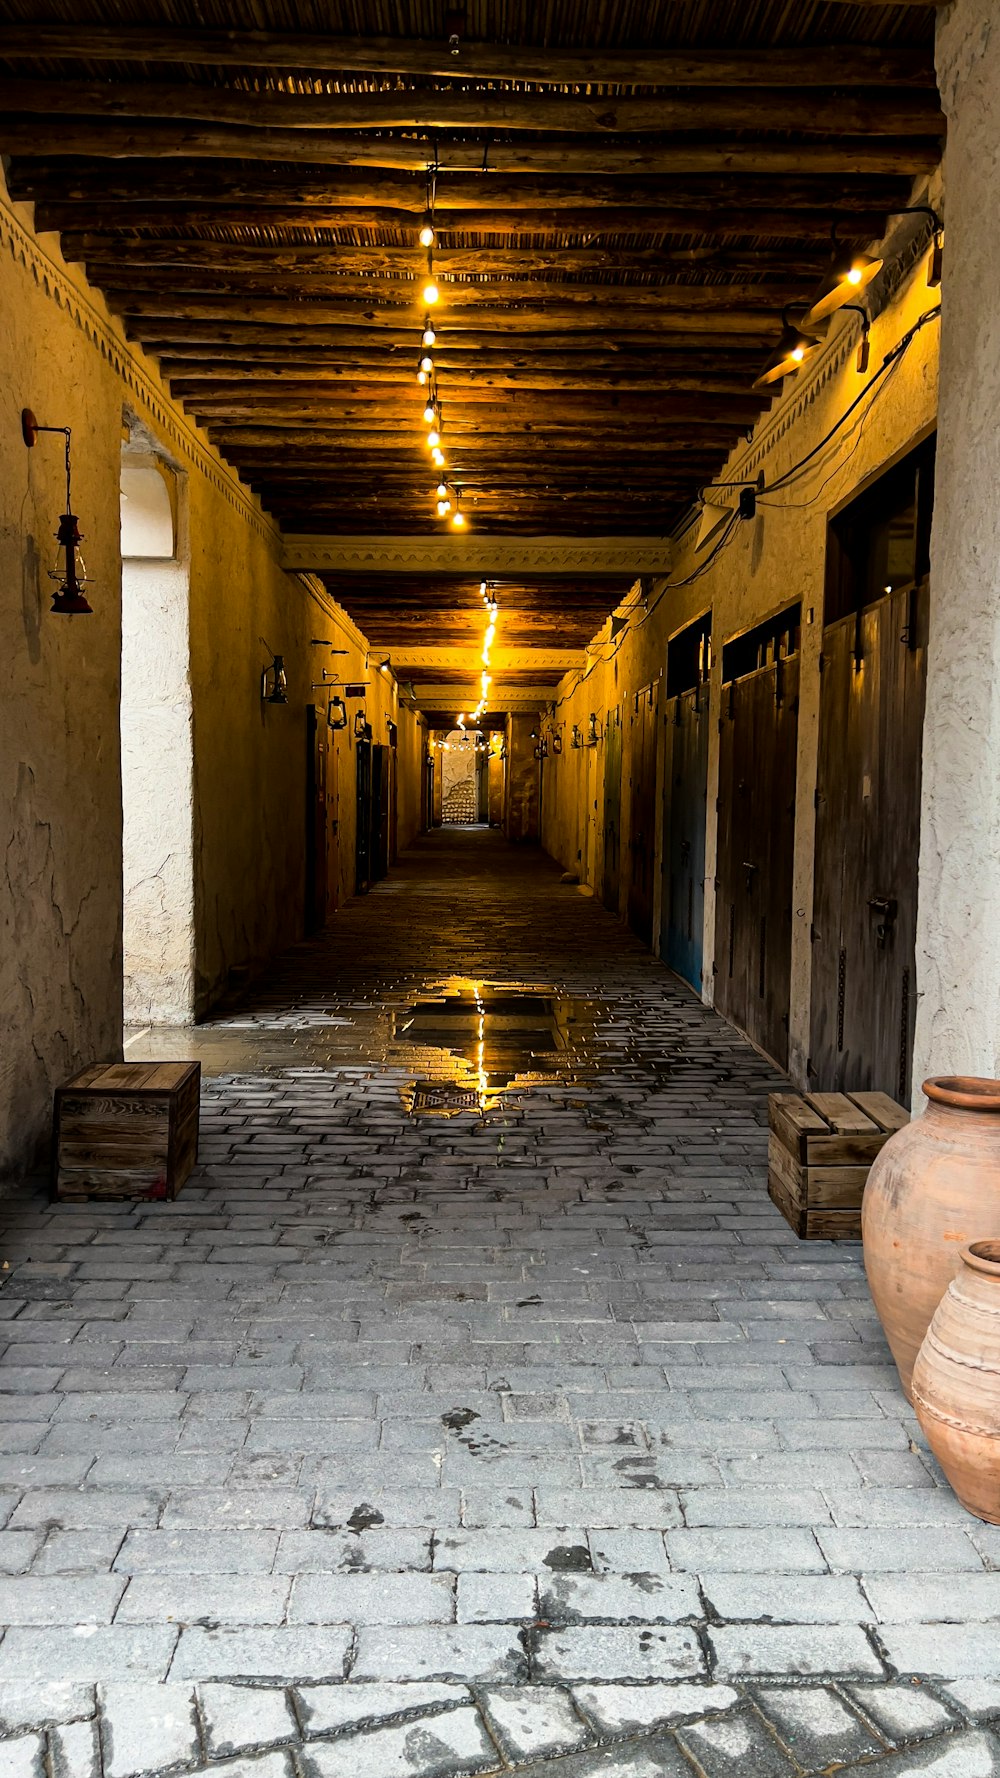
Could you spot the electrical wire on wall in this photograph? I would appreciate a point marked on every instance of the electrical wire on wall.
(872, 391)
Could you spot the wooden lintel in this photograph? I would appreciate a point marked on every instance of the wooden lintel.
(538, 557)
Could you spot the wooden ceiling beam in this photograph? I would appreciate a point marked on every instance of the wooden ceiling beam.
(308, 439)
(399, 304)
(510, 410)
(821, 111)
(163, 306)
(849, 64)
(181, 336)
(313, 260)
(144, 182)
(98, 220)
(110, 138)
(215, 383)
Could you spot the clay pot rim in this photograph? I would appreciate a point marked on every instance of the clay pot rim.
(964, 1092)
(983, 1256)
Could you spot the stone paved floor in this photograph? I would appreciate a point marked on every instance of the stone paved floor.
(405, 1445)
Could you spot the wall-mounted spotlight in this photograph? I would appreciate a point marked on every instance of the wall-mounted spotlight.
(844, 280)
(336, 714)
(69, 573)
(794, 349)
(273, 679)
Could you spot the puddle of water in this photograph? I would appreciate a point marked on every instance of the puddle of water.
(482, 1040)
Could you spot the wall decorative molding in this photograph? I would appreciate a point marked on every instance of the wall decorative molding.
(469, 659)
(55, 282)
(485, 558)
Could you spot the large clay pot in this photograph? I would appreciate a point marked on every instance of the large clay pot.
(934, 1188)
(956, 1381)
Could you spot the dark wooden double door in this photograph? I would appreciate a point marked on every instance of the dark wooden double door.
(867, 841)
(685, 777)
(373, 830)
(322, 823)
(753, 934)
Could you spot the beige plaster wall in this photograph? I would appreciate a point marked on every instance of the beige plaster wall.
(61, 962)
(958, 932)
(773, 560)
(411, 748)
(522, 780)
(60, 775)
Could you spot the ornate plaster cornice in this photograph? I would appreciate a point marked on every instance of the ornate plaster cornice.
(53, 278)
(427, 660)
(486, 558)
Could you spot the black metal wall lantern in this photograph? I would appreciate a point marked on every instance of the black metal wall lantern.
(70, 575)
(273, 679)
(362, 731)
(336, 714)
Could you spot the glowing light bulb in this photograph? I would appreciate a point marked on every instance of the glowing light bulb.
(458, 519)
(854, 276)
(430, 413)
(427, 233)
(443, 506)
(438, 456)
(442, 490)
(427, 363)
(433, 439)
(421, 376)
(798, 353)
(431, 293)
(429, 336)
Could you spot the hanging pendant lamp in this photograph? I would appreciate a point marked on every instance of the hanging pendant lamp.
(794, 349)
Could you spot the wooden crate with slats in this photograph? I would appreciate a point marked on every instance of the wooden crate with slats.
(126, 1130)
(820, 1148)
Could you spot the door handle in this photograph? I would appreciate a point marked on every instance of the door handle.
(886, 907)
(750, 871)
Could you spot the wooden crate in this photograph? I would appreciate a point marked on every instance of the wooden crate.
(819, 1150)
(126, 1130)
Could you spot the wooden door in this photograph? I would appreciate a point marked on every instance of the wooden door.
(363, 827)
(867, 843)
(753, 932)
(322, 854)
(612, 809)
(685, 781)
(642, 813)
(381, 803)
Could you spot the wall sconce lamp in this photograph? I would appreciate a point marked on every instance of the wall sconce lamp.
(594, 733)
(273, 679)
(847, 276)
(864, 349)
(336, 714)
(935, 265)
(70, 575)
(794, 349)
(576, 738)
(557, 743)
(542, 750)
(361, 730)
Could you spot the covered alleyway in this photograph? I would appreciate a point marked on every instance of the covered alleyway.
(533, 1420)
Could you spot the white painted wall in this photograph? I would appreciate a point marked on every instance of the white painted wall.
(958, 935)
(156, 738)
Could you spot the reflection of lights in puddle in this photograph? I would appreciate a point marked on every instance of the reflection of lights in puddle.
(487, 1039)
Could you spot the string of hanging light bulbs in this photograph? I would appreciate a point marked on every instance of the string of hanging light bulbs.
(492, 604)
(447, 497)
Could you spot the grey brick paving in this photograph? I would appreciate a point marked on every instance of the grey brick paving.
(434, 1444)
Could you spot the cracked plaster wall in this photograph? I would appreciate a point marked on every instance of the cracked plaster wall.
(60, 775)
(958, 935)
(61, 956)
(774, 560)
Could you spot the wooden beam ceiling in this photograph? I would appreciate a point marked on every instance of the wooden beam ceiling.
(620, 221)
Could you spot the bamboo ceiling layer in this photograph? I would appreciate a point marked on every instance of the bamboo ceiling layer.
(629, 192)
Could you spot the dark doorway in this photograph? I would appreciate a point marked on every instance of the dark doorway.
(868, 797)
(685, 780)
(757, 769)
(612, 809)
(322, 859)
(642, 812)
(381, 811)
(363, 827)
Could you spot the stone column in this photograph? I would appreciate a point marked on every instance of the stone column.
(958, 935)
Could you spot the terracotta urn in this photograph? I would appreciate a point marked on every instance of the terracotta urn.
(956, 1381)
(934, 1187)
